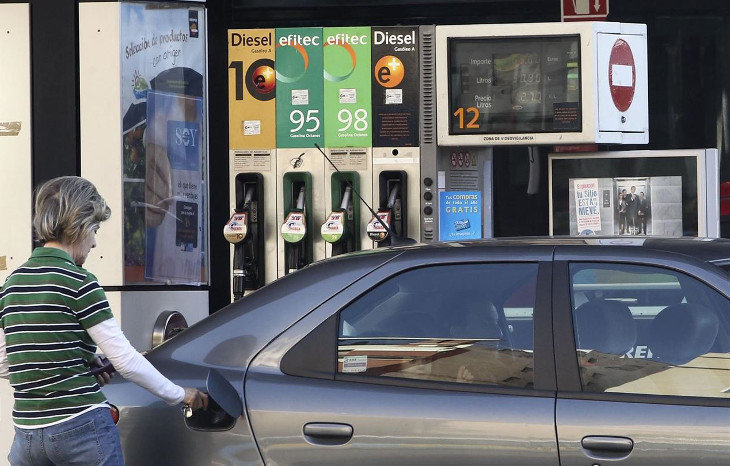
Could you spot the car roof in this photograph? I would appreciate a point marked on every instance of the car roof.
(715, 250)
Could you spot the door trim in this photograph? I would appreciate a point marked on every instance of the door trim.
(566, 362)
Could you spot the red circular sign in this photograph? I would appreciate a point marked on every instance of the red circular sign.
(622, 87)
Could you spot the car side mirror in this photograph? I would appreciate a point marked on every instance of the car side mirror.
(224, 406)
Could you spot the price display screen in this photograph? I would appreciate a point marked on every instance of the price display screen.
(514, 85)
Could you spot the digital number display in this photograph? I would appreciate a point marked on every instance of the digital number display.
(514, 85)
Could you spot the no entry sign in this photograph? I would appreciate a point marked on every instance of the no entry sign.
(622, 75)
(584, 10)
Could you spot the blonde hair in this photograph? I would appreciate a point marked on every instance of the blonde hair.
(67, 209)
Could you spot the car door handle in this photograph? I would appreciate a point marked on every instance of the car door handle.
(607, 444)
(328, 431)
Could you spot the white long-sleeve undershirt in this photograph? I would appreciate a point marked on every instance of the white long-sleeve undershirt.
(4, 366)
(131, 364)
(127, 361)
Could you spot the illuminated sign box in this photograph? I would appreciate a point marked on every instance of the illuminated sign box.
(634, 194)
(542, 83)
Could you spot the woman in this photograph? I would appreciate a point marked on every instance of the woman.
(53, 315)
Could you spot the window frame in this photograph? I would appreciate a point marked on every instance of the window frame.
(544, 364)
(567, 366)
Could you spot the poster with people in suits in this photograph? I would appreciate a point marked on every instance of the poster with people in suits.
(631, 200)
(626, 206)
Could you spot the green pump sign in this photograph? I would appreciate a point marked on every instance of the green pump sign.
(300, 87)
(347, 87)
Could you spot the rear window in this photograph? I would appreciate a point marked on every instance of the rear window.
(649, 330)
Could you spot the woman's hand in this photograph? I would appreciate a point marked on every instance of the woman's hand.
(102, 378)
(195, 399)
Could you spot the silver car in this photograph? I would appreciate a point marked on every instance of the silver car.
(505, 352)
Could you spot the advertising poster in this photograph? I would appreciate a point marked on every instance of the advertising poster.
(174, 195)
(645, 206)
(251, 89)
(164, 142)
(396, 86)
(587, 211)
(347, 87)
(300, 87)
(460, 216)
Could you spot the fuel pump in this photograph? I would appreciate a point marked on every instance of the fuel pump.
(392, 210)
(235, 231)
(296, 226)
(245, 231)
(252, 150)
(340, 228)
(299, 244)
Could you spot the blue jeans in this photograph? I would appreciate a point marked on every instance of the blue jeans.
(88, 439)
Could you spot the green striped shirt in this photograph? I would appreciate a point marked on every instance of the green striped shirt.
(46, 306)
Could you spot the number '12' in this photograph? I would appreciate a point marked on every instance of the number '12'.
(473, 123)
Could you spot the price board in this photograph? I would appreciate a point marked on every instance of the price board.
(546, 83)
(515, 85)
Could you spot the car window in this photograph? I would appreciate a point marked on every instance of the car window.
(648, 330)
(470, 323)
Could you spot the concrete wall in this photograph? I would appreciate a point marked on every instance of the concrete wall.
(666, 206)
(15, 175)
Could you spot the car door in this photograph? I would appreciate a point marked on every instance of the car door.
(643, 357)
(416, 364)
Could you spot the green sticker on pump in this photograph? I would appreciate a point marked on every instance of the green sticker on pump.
(294, 228)
(334, 227)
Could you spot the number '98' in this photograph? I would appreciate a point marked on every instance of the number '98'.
(359, 122)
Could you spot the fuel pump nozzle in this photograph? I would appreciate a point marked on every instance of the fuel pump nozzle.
(345, 204)
(300, 199)
(294, 230)
(337, 226)
(247, 199)
(376, 228)
(236, 231)
(295, 227)
(246, 263)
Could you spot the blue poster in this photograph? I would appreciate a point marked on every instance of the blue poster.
(174, 207)
(460, 216)
(162, 77)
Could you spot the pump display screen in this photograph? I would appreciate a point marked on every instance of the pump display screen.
(514, 85)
